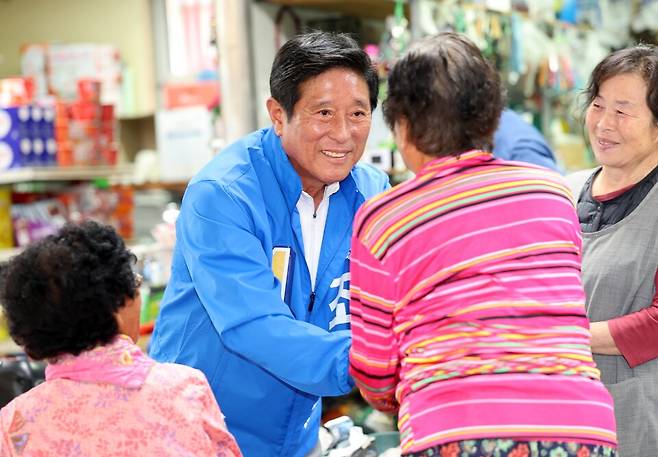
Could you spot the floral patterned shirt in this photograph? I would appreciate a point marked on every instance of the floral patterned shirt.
(116, 401)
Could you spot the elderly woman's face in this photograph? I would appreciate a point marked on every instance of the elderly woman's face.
(620, 125)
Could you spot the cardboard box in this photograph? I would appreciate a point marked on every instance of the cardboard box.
(201, 93)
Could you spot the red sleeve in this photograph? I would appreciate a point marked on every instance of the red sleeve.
(636, 334)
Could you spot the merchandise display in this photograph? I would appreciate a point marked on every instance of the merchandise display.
(36, 214)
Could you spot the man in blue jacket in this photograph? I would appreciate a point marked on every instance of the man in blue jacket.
(259, 293)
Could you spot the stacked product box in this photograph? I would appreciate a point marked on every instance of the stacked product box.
(47, 132)
(26, 128)
(91, 127)
(15, 143)
(27, 136)
(84, 118)
(107, 136)
(56, 68)
(16, 91)
(41, 128)
(64, 148)
(54, 131)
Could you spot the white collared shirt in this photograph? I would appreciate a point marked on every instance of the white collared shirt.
(313, 221)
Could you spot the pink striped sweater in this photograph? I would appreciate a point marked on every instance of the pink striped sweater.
(468, 310)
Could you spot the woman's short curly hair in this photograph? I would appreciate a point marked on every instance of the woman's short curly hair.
(450, 95)
(61, 294)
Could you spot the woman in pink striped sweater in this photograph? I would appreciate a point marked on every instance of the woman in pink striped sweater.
(467, 307)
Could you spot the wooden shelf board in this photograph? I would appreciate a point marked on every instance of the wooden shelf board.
(28, 174)
(140, 250)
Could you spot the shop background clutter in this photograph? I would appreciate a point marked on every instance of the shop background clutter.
(108, 108)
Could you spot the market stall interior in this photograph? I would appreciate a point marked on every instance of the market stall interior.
(107, 109)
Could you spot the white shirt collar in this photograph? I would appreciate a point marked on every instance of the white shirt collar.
(313, 220)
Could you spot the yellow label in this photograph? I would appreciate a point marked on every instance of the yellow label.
(281, 267)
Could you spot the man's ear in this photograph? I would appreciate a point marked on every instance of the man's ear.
(277, 115)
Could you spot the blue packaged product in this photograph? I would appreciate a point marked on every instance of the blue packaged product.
(48, 124)
(35, 122)
(14, 123)
(47, 135)
(14, 153)
(51, 151)
(38, 156)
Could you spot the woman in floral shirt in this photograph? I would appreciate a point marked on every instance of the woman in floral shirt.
(73, 300)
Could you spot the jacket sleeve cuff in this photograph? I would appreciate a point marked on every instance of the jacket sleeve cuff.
(625, 345)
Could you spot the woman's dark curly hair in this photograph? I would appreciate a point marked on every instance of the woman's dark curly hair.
(450, 95)
(61, 294)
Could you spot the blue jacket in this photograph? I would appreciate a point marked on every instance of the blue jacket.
(270, 352)
(517, 140)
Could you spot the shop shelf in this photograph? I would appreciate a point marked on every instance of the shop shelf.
(140, 251)
(29, 174)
